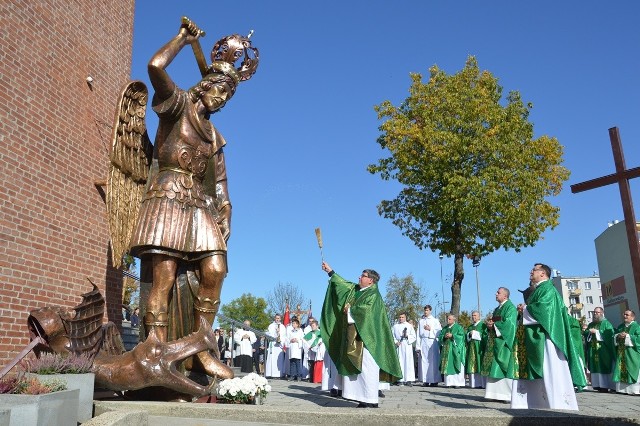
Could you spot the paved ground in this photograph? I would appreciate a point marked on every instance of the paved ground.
(301, 403)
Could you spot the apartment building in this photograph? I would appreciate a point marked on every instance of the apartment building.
(580, 294)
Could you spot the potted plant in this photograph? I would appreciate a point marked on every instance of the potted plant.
(250, 389)
(35, 402)
(76, 370)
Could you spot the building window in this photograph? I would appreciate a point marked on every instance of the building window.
(587, 285)
(573, 300)
(600, 299)
(590, 299)
(590, 314)
(572, 285)
(599, 284)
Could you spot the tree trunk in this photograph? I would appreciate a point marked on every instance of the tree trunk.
(456, 284)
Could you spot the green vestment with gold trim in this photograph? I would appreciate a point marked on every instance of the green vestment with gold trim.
(475, 348)
(452, 350)
(546, 306)
(627, 365)
(372, 328)
(600, 354)
(497, 362)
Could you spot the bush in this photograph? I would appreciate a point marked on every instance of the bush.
(54, 363)
(23, 386)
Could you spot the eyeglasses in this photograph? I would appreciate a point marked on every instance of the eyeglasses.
(365, 276)
(536, 269)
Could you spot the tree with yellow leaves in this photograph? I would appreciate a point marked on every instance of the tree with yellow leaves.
(475, 178)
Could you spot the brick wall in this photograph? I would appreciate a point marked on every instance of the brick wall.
(54, 139)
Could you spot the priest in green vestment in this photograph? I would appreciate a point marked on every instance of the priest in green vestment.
(452, 353)
(356, 329)
(600, 354)
(626, 372)
(548, 348)
(476, 338)
(497, 362)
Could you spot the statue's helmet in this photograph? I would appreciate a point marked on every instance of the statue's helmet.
(228, 50)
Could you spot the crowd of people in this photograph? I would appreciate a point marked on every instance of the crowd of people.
(533, 355)
(294, 351)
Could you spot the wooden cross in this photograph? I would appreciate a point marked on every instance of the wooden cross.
(622, 177)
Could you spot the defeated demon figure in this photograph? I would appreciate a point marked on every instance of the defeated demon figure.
(150, 363)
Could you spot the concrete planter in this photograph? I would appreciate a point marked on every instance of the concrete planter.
(56, 408)
(84, 383)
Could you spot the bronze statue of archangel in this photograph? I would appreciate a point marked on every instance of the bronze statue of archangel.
(174, 207)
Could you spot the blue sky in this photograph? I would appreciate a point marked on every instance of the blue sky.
(302, 131)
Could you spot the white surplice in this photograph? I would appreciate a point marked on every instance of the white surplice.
(275, 359)
(404, 336)
(427, 341)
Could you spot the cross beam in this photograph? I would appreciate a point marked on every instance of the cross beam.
(622, 177)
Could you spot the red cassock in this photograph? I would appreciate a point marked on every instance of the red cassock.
(318, 368)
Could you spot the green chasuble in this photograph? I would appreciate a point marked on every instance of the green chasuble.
(452, 351)
(600, 355)
(497, 362)
(372, 328)
(475, 348)
(576, 336)
(546, 306)
(313, 337)
(627, 357)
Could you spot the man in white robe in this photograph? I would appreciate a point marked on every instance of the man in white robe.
(245, 339)
(274, 364)
(331, 380)
(427, 344)
(404, 336)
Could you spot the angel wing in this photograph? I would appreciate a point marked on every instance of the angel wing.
(130, 158)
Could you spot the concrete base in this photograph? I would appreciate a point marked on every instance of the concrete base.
(353, 416)
(84, 383)
(56, 408)
(5, 416)
(305, 403)
(120, 418)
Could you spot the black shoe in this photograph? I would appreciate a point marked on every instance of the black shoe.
(334, 393)
(380, 394)
(366, 405)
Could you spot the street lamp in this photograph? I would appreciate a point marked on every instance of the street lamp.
(476, 263)
(444, 306)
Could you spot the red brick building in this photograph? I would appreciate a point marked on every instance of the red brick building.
(55, 132)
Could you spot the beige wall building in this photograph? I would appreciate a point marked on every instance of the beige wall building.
(614, 264)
